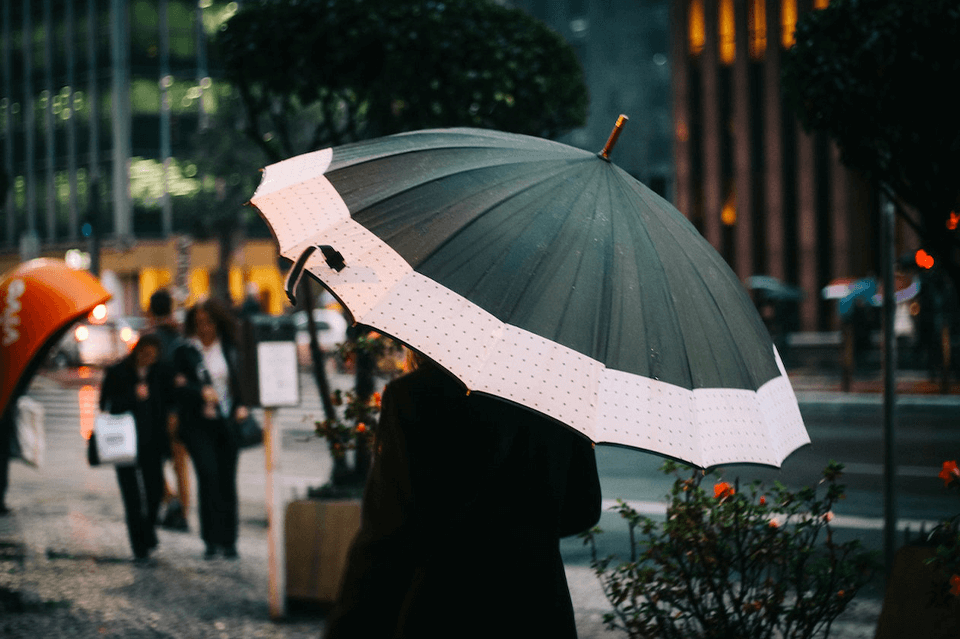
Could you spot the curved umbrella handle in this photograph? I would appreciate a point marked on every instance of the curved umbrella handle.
(333, 258)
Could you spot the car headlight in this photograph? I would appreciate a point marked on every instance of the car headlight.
(99, 313)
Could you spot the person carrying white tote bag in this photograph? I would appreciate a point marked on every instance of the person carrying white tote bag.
(131, 435)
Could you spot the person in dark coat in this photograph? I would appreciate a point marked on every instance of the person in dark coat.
(133, 385)
(463, 512)
(164, 326)
(210, 401)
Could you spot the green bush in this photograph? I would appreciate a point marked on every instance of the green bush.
(945, 538)
(734, 564)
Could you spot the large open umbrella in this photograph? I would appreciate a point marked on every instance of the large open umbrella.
(544, 275)
(39, 299)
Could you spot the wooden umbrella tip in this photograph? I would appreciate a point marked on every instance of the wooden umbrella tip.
(604, 154)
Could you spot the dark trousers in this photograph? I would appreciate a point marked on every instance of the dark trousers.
(141, 487)
(215, 455)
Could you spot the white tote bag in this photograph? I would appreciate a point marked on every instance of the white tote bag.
(116, 439)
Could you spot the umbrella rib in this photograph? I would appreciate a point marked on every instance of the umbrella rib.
(445, 176)
(658, 263)
(684, 247)
(570, 212)
(547, 175)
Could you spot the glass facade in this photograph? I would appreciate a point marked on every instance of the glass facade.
(105, 92)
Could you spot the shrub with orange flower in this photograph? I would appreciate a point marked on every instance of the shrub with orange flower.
(358, 421)
(742, 562)
(949, 473)
(722, 490)
(946, 536)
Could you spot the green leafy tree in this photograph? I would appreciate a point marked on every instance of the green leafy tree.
(228, 165)
(878, 77)
(318, 73)
(325, 72)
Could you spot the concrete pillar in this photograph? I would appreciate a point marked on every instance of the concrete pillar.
(773, 147)
(70, 23)
(840, 216)
(807, 229)
(9, 205)
(679, 69)
(743, 261)
(120, 105)
(712, 172)
(50, 195)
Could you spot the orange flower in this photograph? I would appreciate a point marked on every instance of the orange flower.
(377, 400)
(955, 585)
(949, 472)
(723, 490)
(763, 500)
(774, 522)
(361, 427)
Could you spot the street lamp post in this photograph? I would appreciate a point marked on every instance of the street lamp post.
(889, 386)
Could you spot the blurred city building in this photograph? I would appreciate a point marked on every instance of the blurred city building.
(624, 48)
(700, 80)
(773, 200)
(100, 103)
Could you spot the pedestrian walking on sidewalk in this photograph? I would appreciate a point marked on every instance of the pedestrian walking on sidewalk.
(164, 326)
(133, 385)
(463, 512)
(210, 401)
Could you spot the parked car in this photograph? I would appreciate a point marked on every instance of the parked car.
(331, 331)
(96, 341)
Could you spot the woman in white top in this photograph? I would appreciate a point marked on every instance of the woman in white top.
(207, 379)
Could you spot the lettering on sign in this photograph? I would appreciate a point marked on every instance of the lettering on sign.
(10, 319)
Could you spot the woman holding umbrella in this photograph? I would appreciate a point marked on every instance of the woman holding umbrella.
(134, 385)
(207, 378)
(463, 511)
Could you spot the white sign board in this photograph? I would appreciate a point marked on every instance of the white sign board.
(277, 372)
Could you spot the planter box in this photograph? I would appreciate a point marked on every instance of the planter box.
(914, 604)
(317, 537)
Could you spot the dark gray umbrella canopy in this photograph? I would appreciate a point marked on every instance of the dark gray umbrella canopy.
(564, 244)
(544, 275)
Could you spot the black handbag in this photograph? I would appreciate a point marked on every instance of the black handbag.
(93, 457)
(248, 432)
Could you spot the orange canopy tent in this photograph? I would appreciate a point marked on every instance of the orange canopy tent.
(39, 300)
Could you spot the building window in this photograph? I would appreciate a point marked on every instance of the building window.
(757, 21)
(788, 22)
(697, 33)
(727, 32)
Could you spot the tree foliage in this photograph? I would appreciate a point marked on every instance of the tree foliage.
(314, 73)
(733, 563)
(878, 77)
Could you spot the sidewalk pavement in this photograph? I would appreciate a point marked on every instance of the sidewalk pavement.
(65, 568)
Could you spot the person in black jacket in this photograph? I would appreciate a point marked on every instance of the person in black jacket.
(133, 385)
(164, 326)
(462, 516)
(210, 402)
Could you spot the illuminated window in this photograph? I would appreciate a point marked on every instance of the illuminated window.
(697, 29)
(788, 22)
(757, 21)
(144, 96)
(728, 215)
(727, 32)
(821, 4)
